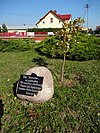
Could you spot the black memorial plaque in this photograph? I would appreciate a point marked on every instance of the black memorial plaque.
(29, 84)
(1, 109)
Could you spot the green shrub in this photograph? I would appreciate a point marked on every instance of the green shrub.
(49, 47)
(86, 48)
(16, 44)
(43, 29)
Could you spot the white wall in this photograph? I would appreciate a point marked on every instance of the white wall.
(15, 30)
(30, 34)
(57, 23)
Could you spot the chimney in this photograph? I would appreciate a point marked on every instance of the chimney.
(55, 11)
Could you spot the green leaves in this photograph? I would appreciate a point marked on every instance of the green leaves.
(82, 47)
(16, 45)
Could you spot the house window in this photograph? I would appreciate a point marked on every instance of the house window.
(43, 22)
(51, 20)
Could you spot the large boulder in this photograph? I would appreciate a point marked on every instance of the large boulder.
(47, 89)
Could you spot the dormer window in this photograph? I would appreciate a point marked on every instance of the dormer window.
(51, 20)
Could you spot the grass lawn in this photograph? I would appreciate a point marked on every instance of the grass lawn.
(74, 108)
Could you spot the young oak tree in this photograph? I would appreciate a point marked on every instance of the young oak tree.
(66, 35)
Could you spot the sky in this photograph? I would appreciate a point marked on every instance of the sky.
(28, 12)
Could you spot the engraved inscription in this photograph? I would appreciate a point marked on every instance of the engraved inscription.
(29, 84)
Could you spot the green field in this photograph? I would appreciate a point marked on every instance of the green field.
(74, 108)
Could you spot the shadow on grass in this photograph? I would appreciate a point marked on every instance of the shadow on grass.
(40, 61)
(14, 88)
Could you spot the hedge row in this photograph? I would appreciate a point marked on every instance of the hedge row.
(43, 29)
(16, 45)
(87, 48)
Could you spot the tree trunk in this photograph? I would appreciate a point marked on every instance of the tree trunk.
(62, 74)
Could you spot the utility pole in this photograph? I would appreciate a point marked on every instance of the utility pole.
(87, 8)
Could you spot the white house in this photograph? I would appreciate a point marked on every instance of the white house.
(53, 20)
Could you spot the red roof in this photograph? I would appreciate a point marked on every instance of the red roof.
(65, 16)
(62, 17)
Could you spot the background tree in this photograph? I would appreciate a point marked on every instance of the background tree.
(4, 28)
(0, 29)
(97, 31)
(66, 35)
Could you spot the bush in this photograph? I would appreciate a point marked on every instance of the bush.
(16, 44)
(86, 48)
(43, 29)
(50, 48)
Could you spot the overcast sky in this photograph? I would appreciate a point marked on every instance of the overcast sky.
(20, 12)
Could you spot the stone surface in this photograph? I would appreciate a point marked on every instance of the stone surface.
(47, 87)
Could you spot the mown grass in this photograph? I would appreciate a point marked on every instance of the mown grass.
(74, 108)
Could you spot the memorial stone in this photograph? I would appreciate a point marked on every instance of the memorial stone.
(36, 85)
